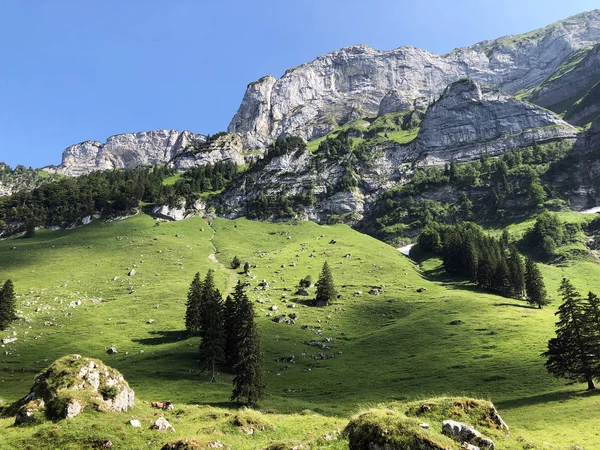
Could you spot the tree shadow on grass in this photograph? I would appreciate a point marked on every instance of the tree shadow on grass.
(163, 337)
(546, 398)
(517, 305)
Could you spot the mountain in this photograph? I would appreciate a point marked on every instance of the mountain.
(312, 99)
(466, 122)
(129, 150)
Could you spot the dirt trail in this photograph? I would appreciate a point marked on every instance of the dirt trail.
(233, 279)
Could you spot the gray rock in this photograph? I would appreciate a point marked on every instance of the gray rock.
(73, 409)
(135, 423)
(395, 101)
(9, 340)
(459, 431)
(468, 120)
(162, 424)
(310, 99)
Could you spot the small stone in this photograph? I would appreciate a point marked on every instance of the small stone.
(135, 423)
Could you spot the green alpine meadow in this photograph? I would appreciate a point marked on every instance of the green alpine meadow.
(384, 250)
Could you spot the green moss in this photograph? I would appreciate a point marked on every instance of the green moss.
(390, 429)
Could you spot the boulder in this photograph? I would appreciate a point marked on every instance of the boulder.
(459, 431)
(70, 385)
(162, 424)
(73, 409)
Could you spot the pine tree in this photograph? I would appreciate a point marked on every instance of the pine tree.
(573, 353)
(229, 323)
(7, 304)
(212, 331)
(193, 313)
(248, 382)
(517, 272)
(534, 285)
(325, 287)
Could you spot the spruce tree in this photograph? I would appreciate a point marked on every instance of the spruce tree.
(325, 287)
(517, 272)
(193, 313)
(573, 353)
(212, 346)
(248, 382)
(7, 304)
(534, 285)
(229, 323)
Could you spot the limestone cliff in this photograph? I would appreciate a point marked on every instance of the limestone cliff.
(125, 151)
(570, 88)
(464, 123)
(310, 100)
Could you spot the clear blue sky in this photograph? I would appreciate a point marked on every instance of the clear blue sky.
(74, 70)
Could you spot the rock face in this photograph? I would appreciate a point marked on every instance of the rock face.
(69, 385)
(464, 123)
(468, 120)
(125, 151)
(223, 148)
(310, 100)
(566, 89)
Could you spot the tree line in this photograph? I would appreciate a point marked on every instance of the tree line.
(108, 193)
(492, 264)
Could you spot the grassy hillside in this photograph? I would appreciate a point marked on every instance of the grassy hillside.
(395, 346)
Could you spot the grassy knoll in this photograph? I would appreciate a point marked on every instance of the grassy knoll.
(396, 346)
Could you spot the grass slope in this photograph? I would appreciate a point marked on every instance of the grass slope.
(396, 346)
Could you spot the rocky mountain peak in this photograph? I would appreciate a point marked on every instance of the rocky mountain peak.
(312, 99)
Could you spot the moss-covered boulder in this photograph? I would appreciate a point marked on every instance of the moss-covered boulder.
(419, 425)
(70, 385)
(387, 429)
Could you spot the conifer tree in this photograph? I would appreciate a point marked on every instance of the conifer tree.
(248, 382)
(212, 346)
(7, 304)
(534, 285)
(517, 272)
(573, 353)
(229, 323)
(325, 287)
(193, 313)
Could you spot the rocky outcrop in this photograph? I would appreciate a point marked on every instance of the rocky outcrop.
(564, 90)
(125, 151)
(227, 147)
(71, 384)
(469, 120)
(312, 99)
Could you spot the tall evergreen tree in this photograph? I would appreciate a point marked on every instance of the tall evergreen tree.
(7, 304)
(212, 346)
(229, 323)
(325, 287)
(517, 272)
(248, 382)
(534, 285)
(193, 313)
(574, 352)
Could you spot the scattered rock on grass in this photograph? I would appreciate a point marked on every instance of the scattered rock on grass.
(162, 424)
